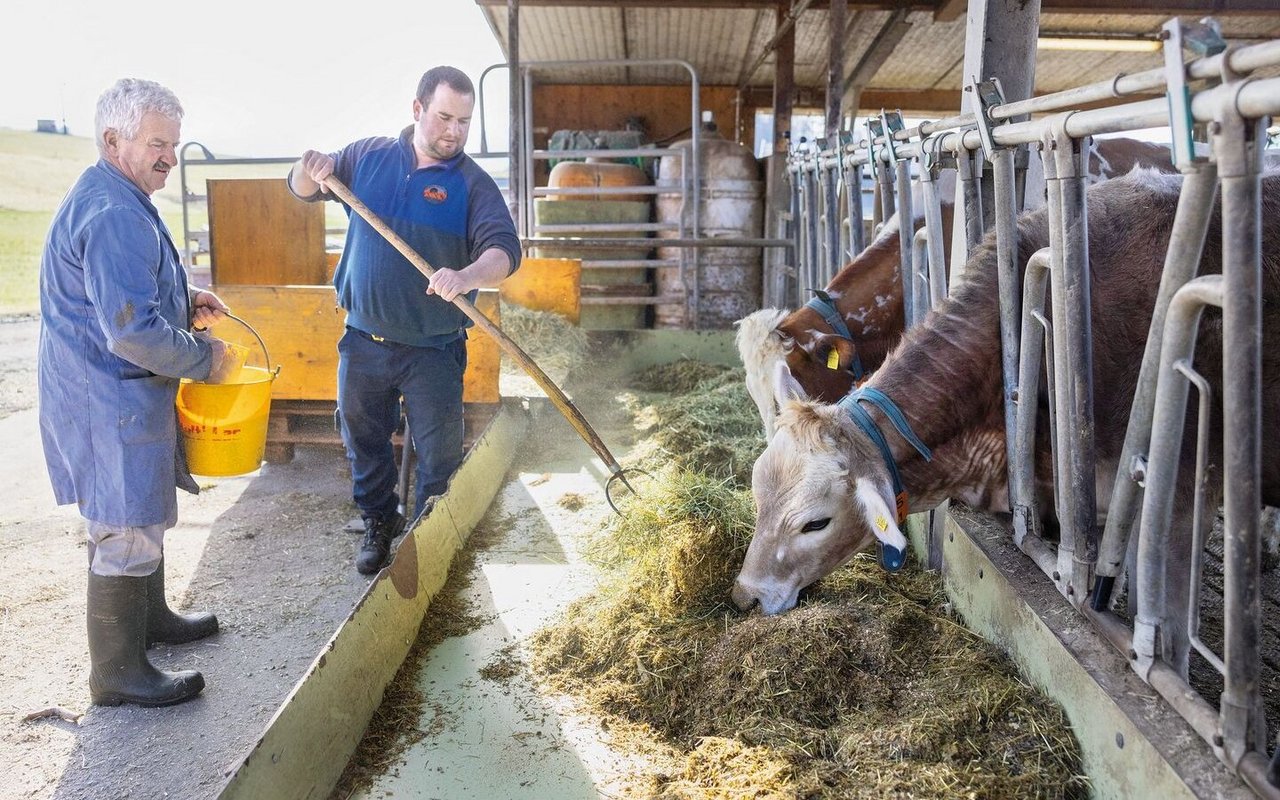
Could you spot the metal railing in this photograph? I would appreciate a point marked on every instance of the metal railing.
(1215, 91)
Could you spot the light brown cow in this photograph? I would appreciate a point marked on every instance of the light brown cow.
(822, 489)
(868, 295)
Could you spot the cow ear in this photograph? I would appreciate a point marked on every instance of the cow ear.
(883, 522)
(833, 352)
(785, 386)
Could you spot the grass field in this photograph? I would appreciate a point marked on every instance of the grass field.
(38, 170)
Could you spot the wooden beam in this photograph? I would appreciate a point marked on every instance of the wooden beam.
(783, 30)
(943, 10)
(950, 10)
(835, 64)
(784, 83)
(1166, 7)
(730, 5)
(943, 101)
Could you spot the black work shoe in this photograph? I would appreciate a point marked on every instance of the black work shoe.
(378, 533)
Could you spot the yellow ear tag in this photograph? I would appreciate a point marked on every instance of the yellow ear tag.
(882, 523)
(833, 359)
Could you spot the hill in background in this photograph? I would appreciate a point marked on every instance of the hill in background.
(38, 169)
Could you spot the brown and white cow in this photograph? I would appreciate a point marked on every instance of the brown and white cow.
(822, 489)
(867, 293)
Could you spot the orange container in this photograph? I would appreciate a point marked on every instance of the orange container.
(579, 175)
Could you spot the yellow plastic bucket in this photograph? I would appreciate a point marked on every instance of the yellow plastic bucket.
(224, 425)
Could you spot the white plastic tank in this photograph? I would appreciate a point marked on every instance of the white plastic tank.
(730, 205)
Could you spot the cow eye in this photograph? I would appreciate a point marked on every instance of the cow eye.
(815, 525)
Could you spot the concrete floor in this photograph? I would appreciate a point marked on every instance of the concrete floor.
(486, 738)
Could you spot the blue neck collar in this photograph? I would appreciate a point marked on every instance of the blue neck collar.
(825, 306)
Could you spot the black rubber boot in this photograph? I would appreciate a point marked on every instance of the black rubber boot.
(120, 672)
(163, 625)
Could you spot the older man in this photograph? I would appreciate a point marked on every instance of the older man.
(115, 338)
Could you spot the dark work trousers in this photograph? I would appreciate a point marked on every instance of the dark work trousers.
(372, 376)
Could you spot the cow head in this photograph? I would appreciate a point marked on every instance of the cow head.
(820, 361)
(822, 495)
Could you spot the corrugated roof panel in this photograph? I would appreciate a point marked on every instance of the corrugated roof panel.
(926, 55)
(722, 42)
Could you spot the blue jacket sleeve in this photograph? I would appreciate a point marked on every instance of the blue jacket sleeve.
(490, 224)
(122, 258)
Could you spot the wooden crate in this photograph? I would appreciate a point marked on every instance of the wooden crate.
(301, 325)
(261, 235)
(546, 284)
(311, 422)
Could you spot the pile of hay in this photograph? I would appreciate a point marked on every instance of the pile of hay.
(555, 344)
(867, 689)
(709, 424)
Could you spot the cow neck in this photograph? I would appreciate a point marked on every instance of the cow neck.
(852, 405)
(945, 376)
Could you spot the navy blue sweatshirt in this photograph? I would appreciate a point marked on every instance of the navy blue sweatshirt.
(450, 213)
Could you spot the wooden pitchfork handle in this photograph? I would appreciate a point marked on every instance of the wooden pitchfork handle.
(558, 397)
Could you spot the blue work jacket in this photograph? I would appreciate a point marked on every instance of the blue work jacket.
(114, 342)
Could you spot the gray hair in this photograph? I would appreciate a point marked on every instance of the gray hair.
(123, 105)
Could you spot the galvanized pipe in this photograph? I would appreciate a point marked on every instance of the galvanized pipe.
(1181, 325)
(1060, 398)
(920, 304)
(831, 212)
(1237, 145)
(1181, 261)
(970, 169)
(937, 262)
(1010, 302)
(853, 198)
(906, 227)
(1025, 396)
(1257, 98)
(812, 237)
(1075, 330)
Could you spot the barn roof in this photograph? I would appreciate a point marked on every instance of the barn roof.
(907, 54)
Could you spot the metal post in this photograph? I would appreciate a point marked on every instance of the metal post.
(1154, 625)
(1060, 387)
(906, 227)
(1237, 143)
(853, 197)
(1182, 259)
(1022, 477)
(1075, 331)
(516, 154)
(831, 212)
(1010, 302)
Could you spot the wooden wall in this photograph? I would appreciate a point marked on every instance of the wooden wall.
(664, 109)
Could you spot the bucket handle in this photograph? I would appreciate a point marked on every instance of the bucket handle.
(261, 343)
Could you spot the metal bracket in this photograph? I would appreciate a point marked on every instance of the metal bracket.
(893, 124)
(987, 94)
(1202, 38)
(873, 125)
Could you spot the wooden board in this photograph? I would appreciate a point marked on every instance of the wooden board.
(261, 235)
(546, 284)
(301, 326)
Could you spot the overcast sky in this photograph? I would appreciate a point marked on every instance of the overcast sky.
(256, 78)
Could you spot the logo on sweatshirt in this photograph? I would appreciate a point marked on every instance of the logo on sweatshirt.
(435, 194)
